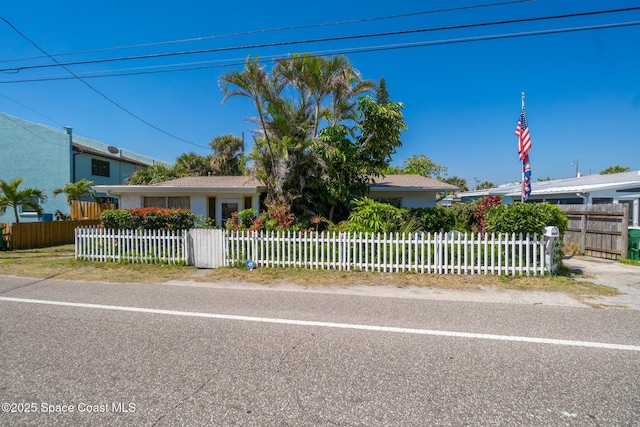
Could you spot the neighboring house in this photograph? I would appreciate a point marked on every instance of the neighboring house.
(623, 188)
(216, 197)
(48, 159)
(409, 191)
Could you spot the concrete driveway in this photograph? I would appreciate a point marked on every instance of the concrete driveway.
(624, 277)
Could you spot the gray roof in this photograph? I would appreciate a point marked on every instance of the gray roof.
(583, 184)
(212, 181)
(409, 183)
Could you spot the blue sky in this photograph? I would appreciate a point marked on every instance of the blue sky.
(462, 100)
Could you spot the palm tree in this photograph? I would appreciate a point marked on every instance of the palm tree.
(155, 174)
(76, 191)
(194, 164)
(27, 197)
(228, 155)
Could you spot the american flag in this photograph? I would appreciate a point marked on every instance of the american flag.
(526, 178)
(522, 132)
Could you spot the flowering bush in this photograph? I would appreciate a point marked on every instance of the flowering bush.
(148, 218)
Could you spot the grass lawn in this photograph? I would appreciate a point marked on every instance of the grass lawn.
(59, 262)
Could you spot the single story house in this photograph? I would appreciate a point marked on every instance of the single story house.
(216, 197)
(622, 188)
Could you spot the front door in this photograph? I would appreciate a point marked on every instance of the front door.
(227, 207)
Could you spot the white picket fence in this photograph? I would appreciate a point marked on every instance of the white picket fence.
(134, 246)
(439, 253)
(432, 253)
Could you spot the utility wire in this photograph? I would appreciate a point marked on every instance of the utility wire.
(96, 90)
(345, 51)
(319, 40)
(280, 29)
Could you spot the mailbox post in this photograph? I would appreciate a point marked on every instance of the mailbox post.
(551, 236)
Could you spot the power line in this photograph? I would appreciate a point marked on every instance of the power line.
(32, 110)
(318, 40)
(96, 90)
(364, 49)
(280, 29)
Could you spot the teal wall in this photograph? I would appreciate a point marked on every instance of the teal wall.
(44, 158)
(38, 154)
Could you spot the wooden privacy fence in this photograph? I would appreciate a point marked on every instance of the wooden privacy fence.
(90, 210)
(135, 246)
(598, 230)
(27, 235)
(439, 253)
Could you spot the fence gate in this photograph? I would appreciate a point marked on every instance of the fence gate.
(206, 248)
(600, 231)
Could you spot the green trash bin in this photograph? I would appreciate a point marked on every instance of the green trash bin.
(2, 245)
(634, 243)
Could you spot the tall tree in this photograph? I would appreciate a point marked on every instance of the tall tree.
(459, 182)
(76, 191)
(484, 185)
(11, 196)
(382, 95)
(349, 165)
(228, 155)
(194, 164)
(420, 165)
(155, 174)
(302, 95)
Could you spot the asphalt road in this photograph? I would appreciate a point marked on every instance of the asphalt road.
(74, 353)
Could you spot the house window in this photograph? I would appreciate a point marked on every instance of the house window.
(100, 168)
(226, 209)
(29, 209)
(212, 208)
(154, 202)
(248, 202)
(180, 202)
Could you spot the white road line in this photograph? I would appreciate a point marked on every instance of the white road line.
(330, 324)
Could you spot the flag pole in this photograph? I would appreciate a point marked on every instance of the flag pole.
(522, 183)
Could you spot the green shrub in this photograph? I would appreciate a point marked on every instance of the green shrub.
(525, 218)
(246, 218)
(369, 216)
(148, 218)
(434, 220)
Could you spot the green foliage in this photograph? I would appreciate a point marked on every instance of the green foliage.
(433, 220)
(247, 218)
(204, 222)
(160, 172)
(369, 216)
(29, 197)
(148, 218)
(76, 191)
(525, 218)
(380, 127)
(463, 219)
(419, 165)
(459, 182)
(482, 207)
(278, 216)
(228, 155)
(486, 185)
(615, 169)
(193, 164)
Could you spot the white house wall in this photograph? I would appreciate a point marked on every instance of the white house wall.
(198, 202)
(410, 199)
